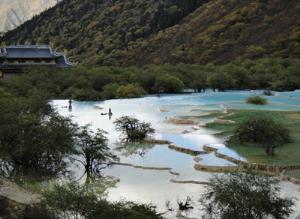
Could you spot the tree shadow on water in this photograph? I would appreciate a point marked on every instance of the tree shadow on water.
(134, 148)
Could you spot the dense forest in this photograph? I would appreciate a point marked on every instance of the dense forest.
(166, 31)
(98, 83)
(101, 30)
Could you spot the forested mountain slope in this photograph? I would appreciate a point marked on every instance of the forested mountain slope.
(99, 31)
(126, 32)
(224, 30)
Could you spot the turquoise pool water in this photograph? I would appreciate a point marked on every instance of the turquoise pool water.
(154, 186)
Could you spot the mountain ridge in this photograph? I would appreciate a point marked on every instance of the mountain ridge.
(166, 31)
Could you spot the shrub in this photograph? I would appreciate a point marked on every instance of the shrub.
(109, 91)
(254, 52)
(262, 131)
(256, 100)
(130, 91)
(168, 84)
(93, 150)
(81, 94)
(80, 201)
(37, 212)
(33, 138)
(133, 128)
(245, 196)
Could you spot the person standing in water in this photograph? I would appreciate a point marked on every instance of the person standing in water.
(110, 113)
(70, 105)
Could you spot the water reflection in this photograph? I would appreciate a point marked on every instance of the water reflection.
(154, 186)
(132, 149)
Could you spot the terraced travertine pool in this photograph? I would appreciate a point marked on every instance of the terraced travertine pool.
(155, 185)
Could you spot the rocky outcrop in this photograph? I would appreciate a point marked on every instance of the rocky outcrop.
(156, 141)
(15, 12)
(146, 167)
(189, 182)
(186, 150)
(181, 121)
(273, 170)
(224, 122)
(290, 179)
(216, 169)
(14, 192)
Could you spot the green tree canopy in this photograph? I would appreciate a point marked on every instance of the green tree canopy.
(32, 136)
(262, 131)
(245, 196)
(94, 153)
(130, 91)
(134, 129)
(73, 200)
(168, 84)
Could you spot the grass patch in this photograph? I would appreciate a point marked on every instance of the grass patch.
(288, 154)
(228, 128)
(211, 115)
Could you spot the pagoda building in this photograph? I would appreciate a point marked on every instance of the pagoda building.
(14, 59)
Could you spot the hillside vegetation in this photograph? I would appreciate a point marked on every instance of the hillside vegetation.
(100, 31)
(224, 30)
(166, 31)
(100, 83)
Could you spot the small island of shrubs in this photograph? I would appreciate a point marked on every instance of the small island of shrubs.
(133, 129)
(261, 131)
(257, 100)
